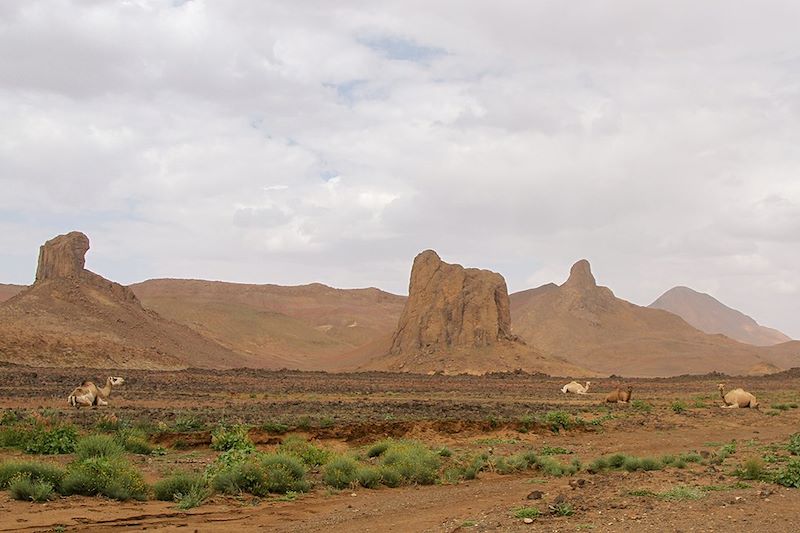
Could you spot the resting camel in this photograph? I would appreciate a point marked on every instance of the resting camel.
(89, 394)
(619, 395)
(576, 388)
(737, 398)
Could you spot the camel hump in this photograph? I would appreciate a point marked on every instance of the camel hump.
(86, 383)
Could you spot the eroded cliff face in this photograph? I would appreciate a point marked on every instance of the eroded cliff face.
(450, 306)
(64, 258)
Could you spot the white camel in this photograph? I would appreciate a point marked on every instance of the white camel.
(89, 394)
(737, 398)
(576, 388)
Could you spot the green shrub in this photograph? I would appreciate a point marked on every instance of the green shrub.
(678, 406)
(45, 472)
(241, 477)
(10, 417)
(527, 512)
(369, 477)
(134, 441)
(378, 448)
(22, 487)
(275, 428)
(46, 440)
(390, 477)
(558, 420)
(553, 450)
(789, 476)
(620, 461)
(340, 472)
(309, 454)
(641, 405)
(176, 486)
(563, 509)
(751, 469)
(197, 494)
(794, 444)
(413, 461)
(284, 473)
(97, 446)
(471, 469)
(234, 437)
(187, 423)
(109, 476)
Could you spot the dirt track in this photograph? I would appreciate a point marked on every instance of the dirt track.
(345, 411)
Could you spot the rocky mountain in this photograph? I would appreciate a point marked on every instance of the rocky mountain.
(708, 314)
(71, 316)
(588, 326)
(7, 291)
(458, 319)
(309, 327)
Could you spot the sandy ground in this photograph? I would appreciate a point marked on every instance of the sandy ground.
(464, 413)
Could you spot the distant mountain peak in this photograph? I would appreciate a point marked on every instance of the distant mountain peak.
(708, 314)
(580, 276)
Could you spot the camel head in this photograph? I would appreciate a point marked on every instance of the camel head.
(115, 381)
(630, 389)
(721, 387)
(587, 384)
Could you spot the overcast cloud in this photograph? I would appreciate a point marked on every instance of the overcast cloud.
(291, 142)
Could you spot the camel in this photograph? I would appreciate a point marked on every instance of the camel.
(89, 394)
(576, 388)
(619, 395)
(737, 398)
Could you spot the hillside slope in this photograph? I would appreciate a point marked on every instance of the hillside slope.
(588, 326)
(71, 316)
(7, 291)
(709, 315)
(308, 327)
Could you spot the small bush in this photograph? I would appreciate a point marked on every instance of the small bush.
(340, 472)
(558, 420)
(751, 469)
(134, 441)
(678, 406)
(554, 450)
(45, 472)
(98, 446)
(242, 477)
(390, 477)
(109, 476)
(197, 494)
(414, 462)
(563, 509)
(235, 437)
(276, 428)
(794, 444)
(46, 440)
(789, 476)
(527, 512)
(378, 448)
(176, 486)
(305, 451)
(471, 470)
(641, 405)
(22, 487)
(368, 477)
(284, 473)
(187, 423)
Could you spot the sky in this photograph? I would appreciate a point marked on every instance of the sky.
(293, 142)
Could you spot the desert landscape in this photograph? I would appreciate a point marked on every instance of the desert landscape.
(425, 267)
(261, 407)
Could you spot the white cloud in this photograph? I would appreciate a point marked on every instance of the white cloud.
(291, 142)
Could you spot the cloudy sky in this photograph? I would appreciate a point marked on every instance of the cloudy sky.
(298, 141)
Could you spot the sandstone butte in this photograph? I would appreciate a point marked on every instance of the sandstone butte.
(71, 316)
(458, 319)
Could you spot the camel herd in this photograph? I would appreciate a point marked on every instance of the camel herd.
(732, 400)
(90, 395)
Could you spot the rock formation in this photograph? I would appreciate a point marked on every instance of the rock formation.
(450, 306)
(63, 256)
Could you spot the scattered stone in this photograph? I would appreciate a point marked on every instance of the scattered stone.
(536, 495)
(559, 499)
(528, 520)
